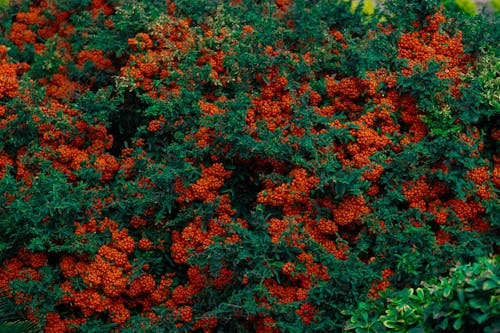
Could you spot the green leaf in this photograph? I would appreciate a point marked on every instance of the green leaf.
(447, 292)
(480, 317)
(443, 324)
(461, 296)
(458, 323)
(389, 324)
(420, 294)
(477, 303)
(364, 316)
(490, 284)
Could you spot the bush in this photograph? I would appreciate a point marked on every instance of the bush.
(467, 300)
(239, 166)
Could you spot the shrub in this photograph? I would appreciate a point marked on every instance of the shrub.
(467, 300)
(239, 166)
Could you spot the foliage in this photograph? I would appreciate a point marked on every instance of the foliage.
(489, 82)
(496, 5)
(367, 7)
(469, 7)
(12, 322)
(240, 166)
(467, 300)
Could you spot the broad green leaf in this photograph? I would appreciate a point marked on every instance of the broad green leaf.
(457, 324)
(490, 284)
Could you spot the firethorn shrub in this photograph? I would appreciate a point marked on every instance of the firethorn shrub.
(242, 166)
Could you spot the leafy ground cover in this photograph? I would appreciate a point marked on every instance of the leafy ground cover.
(243, 166)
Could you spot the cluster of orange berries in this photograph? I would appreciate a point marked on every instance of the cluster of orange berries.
(273, 107)
(431, 43)
(156, 51)
(197, 235)
(427, 197)
(205, 136)
(60, 87)
(373, 173)
(24, 266)
(297, 206)
(495, 177)
(97, 57)
(215, 59)
(466, 210)
(28, 28)
(181, 300)
(185, 314)
(9, 73)
(145, 244)
(206, 188)
(338, 37)
(346, 88)
(141, 42)
(368, 141)
(191, 238)
(55, 324)
(314, 271)
(417, 193)
(479, 175)
(336, 244)
(276, 228)
(440, 212)
(207, 324)
(5, 160)
(68, 155)
(8, 80)
(65, 148)
(286, 294)
(325, 232)
(21, 35)
(380, 285)
(371, 128)
(210, 109)
(264, 324)
(108, 166)
(345, 95)
(143, 285)
(307, 313)
(111, 286)
(295, 282)
(485, 181)
(350, 210)
(292, 197)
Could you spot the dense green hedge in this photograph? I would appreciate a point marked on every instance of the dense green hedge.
(466, 301)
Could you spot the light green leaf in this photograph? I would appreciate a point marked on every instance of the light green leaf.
(490, 284)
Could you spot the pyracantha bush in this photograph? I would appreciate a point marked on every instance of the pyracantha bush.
(240, 166)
